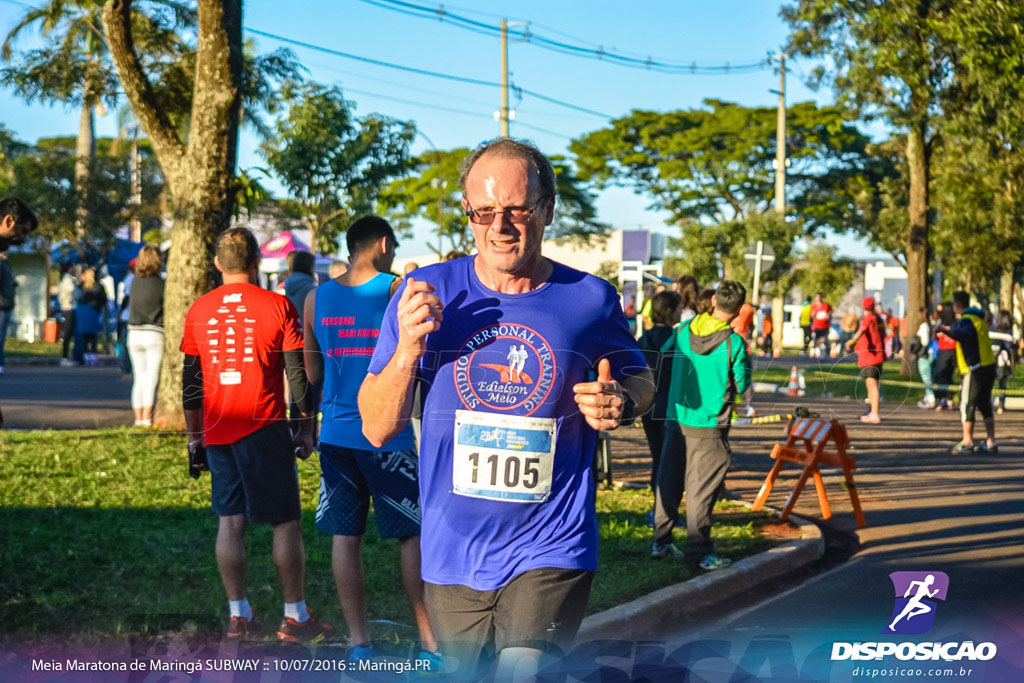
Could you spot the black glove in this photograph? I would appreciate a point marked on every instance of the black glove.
(197, 460)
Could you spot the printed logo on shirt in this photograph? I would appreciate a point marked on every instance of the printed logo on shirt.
(232, 298)
(505, 367)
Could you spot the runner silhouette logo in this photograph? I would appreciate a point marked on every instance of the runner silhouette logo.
(913, 610)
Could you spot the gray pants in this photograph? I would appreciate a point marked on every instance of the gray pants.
(702, 463)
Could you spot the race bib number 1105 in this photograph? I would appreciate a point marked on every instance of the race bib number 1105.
(503, 457)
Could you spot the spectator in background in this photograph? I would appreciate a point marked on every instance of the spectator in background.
(123, 289)
(409, 267)
(710, 366)
(870, 356)
(337, 269)
(767, 327)
(848, 327)
(945, 358)
(920, 350)
(805, 325)
(16, 222)
(743, 325)
(977, 367)
(8, 287)
(666, 309)
(146, 332)
(1004, 348)
(455, 254)
(67, 300)
(301, 278)
(687, 288)
(704, 301)
(821, 322)
(89, 318)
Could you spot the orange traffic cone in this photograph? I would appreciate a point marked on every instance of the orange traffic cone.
(794, 383)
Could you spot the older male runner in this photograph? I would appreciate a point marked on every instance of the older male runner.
(509, 536)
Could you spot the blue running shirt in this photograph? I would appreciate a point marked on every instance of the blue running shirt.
(346, 326)
(505, 455)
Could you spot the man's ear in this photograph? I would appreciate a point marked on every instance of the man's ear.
(714, 301)
(216, 264)
(6, 223)
(549, 213)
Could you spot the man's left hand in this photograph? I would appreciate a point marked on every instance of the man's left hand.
(601, 402)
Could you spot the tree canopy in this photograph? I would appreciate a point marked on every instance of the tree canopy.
(332, 162)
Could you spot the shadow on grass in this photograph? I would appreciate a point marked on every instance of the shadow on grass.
(93, 574)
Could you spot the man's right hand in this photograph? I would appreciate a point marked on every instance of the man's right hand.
(419, 314)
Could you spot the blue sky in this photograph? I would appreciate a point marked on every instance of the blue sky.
(705, 32)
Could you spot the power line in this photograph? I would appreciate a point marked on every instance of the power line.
(610, 56)
(422, 72)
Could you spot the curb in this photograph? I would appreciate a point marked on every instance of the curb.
(54, 361)
(670, 606)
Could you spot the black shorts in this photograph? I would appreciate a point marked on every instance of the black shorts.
(820, 336)
(871, 372)
(540, 609)
(256, 476)
(348, 478)
(976, 392)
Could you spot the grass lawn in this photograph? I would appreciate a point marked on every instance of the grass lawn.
(19, 348)
(844, 380)
(103, 535)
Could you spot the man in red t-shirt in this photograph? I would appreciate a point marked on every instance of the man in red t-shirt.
(821, 320)
(239, 341)
(870, 355)
(743, 325)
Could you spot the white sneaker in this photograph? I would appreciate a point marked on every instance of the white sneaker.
(67, 363)
(751, 412)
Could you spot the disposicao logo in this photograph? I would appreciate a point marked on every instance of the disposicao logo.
(913, 613)
(913, 610)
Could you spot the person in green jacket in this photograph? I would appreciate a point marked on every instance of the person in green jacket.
(710, 367)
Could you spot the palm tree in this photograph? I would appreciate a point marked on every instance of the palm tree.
(73, 66)
(70, 68)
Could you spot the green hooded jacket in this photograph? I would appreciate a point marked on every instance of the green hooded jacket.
(706, 374)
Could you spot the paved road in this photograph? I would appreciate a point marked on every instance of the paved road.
(52, 397)
(926, 511)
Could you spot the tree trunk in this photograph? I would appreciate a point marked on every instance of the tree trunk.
(1006, 289)
(917, 237)
(85, 150)
(197, 221)
(200, 173)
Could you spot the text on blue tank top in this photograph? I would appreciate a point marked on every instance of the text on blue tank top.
(347, 326)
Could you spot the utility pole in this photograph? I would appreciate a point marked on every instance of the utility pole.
(780, 143)
(504, 78)
(778, 316)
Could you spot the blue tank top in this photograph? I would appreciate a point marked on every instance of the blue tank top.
(346, 326)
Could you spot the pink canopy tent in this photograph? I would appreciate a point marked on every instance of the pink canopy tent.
(282, 245)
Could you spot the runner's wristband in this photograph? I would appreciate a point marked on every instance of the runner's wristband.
(628, 410)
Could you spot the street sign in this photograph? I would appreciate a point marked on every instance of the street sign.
(767, 253)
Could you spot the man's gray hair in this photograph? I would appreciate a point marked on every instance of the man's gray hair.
(511, 148)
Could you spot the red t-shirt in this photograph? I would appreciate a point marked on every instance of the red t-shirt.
(821, 316)
(239, 332)
(742, 323)
(869, 348)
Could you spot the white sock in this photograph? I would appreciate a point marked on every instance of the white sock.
(240, 608)
(296, 611)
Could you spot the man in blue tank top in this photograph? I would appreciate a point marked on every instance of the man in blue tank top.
(342, 321)
(503, 344)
